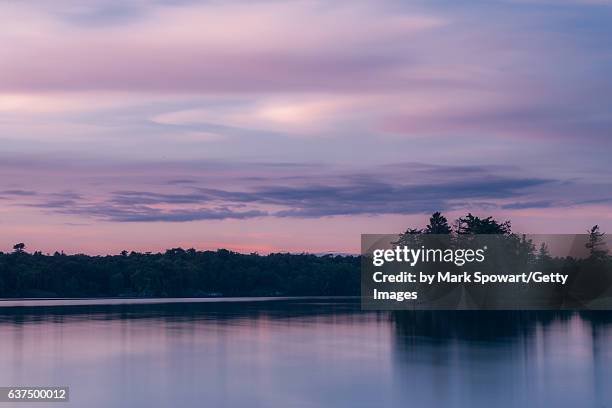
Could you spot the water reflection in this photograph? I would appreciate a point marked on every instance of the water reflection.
(506, 358)
(306, 353)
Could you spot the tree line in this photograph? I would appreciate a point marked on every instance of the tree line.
(181, 272)
(176, 273)
(473, 225)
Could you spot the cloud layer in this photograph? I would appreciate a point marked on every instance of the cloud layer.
(179, 192)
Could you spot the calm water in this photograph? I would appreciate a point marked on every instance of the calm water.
(304, 353)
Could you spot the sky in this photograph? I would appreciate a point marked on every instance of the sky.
(264, 126)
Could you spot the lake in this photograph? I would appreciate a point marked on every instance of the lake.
(302, 353)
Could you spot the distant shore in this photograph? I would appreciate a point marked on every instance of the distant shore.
(176, 273)
(33, 302)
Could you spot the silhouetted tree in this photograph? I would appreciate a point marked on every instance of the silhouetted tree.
(470, 224)
(19, 247)
(438, 224)
(596, 244)
(544, 253)
(526, 250)
(409, 238)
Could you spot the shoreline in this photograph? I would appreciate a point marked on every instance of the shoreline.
(33, 302)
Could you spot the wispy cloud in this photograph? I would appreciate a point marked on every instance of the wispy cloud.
(277, 46)
(17, 193)
(408, 188)
(278, 113)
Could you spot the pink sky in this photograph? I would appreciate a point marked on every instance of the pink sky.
(297, 126)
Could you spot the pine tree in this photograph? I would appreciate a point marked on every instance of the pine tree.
(596, 244)
(544, 253)
(438, 224)
(471, 224)
(409, 238)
